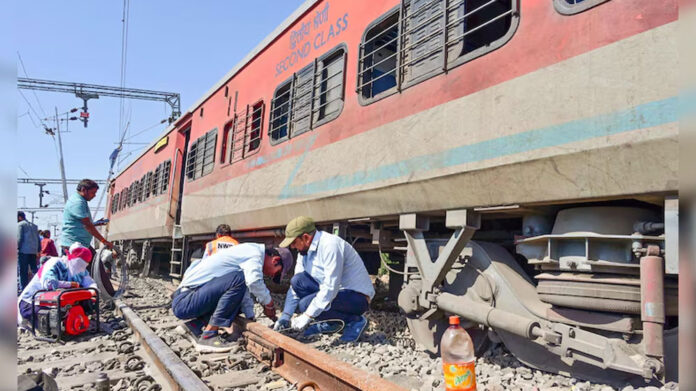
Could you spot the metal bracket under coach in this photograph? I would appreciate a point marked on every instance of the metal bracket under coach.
(598, 310)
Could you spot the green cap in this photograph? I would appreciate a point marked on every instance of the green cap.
(296, 227)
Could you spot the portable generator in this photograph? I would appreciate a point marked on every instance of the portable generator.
(64, 312)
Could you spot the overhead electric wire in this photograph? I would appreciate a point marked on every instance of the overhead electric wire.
(21, 62)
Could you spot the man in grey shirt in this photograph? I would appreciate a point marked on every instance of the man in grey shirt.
(27, 248)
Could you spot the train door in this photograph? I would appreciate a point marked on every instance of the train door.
(182, 175)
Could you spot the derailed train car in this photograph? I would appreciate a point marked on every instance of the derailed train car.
(517, 160)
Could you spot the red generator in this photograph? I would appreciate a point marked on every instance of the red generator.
(64, 312)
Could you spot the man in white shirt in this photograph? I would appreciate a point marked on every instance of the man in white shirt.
(214, 289)
(330, 282)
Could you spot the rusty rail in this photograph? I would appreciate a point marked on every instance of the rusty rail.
(305, 366)
(178, 375)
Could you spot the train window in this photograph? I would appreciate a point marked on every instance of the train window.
(148, 185)
(569, 7)
(122, 200)
(131, 194)
(423, 38)
(114, 203)
(313, 96)
(302, 101)
(141, 189)
(125, 198)
(164, 176)
(377, 76)
(155, 180)
(245, 137)
(328, 88)
(280, 113)
(201, 157)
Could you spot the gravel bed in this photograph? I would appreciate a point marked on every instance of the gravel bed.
(386, 349)
(113, 350)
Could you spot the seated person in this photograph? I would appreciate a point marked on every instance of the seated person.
(330, 282)
(57, 273)
(223, 239)
(214, 289)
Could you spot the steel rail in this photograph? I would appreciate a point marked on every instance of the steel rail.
(303, 365)
(178, 375)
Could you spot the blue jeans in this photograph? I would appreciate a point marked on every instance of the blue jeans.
(218, 299)
(26, 262)
(348, 305)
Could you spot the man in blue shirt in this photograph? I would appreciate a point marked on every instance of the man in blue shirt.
(77, 219)
(330, 282)
(215, 288)
(27, 248)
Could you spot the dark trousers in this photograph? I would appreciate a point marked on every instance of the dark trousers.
(26, 262)
(218, 299)
(348, 305)
(25, 310)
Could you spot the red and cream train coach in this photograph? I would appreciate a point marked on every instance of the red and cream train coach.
(516, 158)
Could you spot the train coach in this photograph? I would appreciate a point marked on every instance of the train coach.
(516, 159)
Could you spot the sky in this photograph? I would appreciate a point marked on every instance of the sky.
(174, 46)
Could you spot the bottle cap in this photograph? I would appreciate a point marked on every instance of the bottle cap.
(454, 319)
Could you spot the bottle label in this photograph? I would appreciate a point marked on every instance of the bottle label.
(460, 377)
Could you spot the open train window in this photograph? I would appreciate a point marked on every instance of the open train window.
(244, 139)
(131, 194)
(569, 7)
(423, 38)
(377, 75)
(141, 188)
(280, 113)
(201, 156)
(122, 199)
(313, 96)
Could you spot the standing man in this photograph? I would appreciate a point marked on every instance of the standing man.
(27, 248)
(223, 239)
(330, 282)
(77, 219)
(213, 290)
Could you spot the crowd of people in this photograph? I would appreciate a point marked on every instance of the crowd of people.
(330, 289)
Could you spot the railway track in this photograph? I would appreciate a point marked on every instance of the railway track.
(140, 349)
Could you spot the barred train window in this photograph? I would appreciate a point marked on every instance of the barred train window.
(131, 194)
(312, 97)
(242, 135)
(155, 180)
(148, 185)
(114, 203)
(569, 7)
(422, 38)
(122, 200)
(141, 188)
(201, 157)
(163, 183)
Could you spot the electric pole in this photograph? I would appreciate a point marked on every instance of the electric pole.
(60, 150)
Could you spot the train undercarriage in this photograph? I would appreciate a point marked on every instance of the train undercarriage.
(587, 289)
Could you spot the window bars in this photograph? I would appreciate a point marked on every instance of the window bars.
(114, 203)
(423, 38)
(201, 157)
(243, 133)
(164, 176)
(313, 96)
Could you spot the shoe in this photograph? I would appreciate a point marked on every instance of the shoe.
(212, 345)
(192, 329)
(326, 327)
(354, 330)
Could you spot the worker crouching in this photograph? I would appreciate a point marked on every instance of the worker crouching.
(214, 290)
(56, 273)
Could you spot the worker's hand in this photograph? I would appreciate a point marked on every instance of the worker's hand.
(281, 324)
(301, 322)
(74, 284)
(269, 311)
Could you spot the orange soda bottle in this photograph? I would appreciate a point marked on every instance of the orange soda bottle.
(458, 358)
